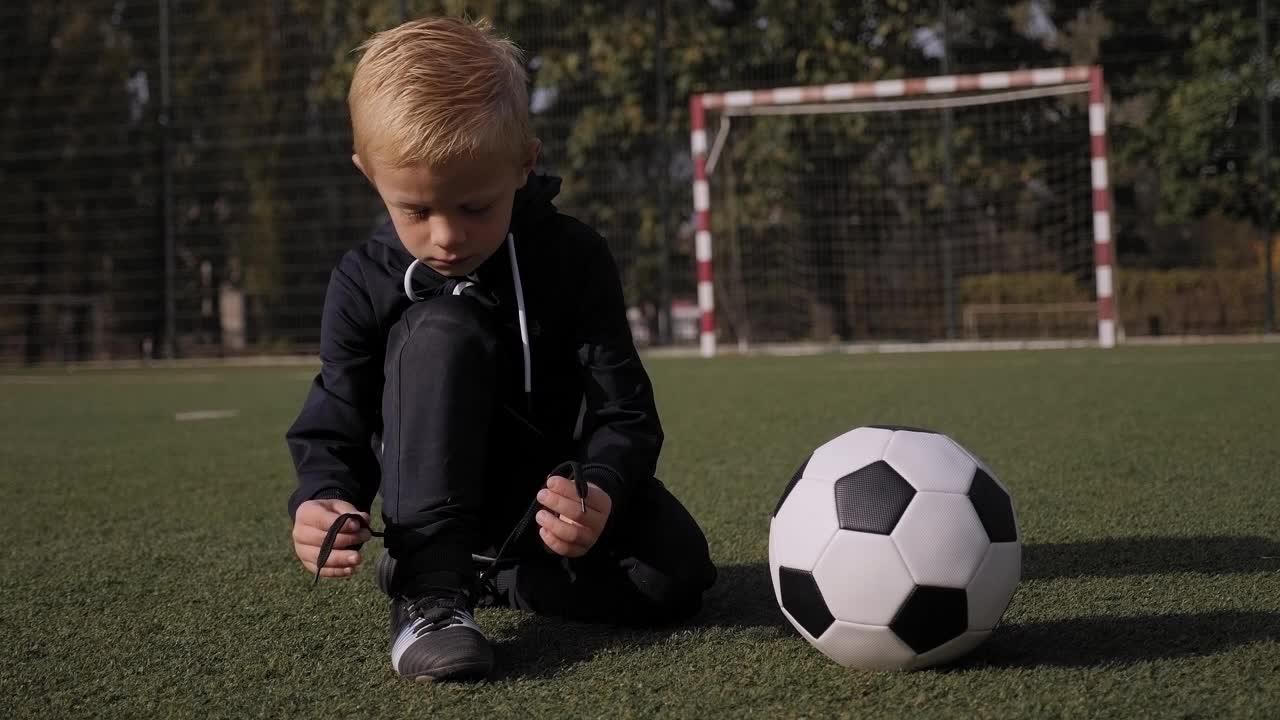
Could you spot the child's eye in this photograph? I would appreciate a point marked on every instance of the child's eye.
(421, 214)
(476, 210)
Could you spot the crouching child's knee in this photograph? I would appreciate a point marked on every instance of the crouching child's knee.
(670, 597)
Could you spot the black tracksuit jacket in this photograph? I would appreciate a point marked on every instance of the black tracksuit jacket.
(585, 367)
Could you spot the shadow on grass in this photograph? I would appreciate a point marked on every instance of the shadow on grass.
(1103, 641)
(743, 598)
(543, 646)
(1119, 557)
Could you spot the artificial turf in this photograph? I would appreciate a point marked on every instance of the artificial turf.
(147, 570)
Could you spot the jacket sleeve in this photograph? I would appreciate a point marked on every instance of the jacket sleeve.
(331, 441)
(622, 435)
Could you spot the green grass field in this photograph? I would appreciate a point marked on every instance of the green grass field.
(148, 572)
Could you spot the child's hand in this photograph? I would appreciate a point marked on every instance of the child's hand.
(565, 530)
(310, 524)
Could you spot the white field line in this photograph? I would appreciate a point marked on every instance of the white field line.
(812, 348)
(310, 361)
(88, 379)
(192, 415)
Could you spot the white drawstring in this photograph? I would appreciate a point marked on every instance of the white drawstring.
(408, 280)
(520, 311)
(522, 315)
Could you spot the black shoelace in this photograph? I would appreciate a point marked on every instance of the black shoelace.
(573, 468)
(435, 609)
(330, 537)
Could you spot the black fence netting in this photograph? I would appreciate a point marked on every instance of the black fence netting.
(175, 175)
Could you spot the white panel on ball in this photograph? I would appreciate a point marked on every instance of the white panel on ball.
(803, 526)
(952, 650)
(842, 455)
(930, 462)
(992, 586)
(863, 578)
(941, 539)
(866, 647)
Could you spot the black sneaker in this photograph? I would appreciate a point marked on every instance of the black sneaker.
(434, 637)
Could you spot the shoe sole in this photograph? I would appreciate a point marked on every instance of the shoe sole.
(460, 672)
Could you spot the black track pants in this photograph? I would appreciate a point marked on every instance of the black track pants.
(458, 470)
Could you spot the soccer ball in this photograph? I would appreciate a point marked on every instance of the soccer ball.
(894, 548)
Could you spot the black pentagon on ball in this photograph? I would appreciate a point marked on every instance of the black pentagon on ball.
(931, 616)
(803, 600)
(994, 507)
(794, 479)
(872, 498)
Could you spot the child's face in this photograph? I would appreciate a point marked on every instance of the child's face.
(454, 216)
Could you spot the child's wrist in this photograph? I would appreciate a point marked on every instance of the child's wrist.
(608, 480)
(331, 494)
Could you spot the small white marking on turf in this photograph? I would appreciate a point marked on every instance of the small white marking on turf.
(31, 380)
(205, 415)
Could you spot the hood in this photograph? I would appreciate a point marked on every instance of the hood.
(533, 203)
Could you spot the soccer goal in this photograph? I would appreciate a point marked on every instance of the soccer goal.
(962, 207)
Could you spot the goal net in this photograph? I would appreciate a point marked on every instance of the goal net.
(971, 207)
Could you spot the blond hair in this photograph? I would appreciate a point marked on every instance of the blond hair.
(436, 89)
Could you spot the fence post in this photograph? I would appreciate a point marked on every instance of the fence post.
(164, 122)
(1267, 240)
(664, 171)
(948, 267)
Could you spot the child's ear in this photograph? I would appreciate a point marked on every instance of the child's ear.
(355, 160)
(530, 159)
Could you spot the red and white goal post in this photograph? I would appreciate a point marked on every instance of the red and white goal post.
(866, 97)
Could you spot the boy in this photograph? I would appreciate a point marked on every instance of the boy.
(469, 349)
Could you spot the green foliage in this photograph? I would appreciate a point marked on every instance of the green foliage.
(266, 194)
(1187, 301)
(1023, 288)
(1199, 136)
(1190, 301)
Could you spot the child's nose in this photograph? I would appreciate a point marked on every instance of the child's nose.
(448, 235)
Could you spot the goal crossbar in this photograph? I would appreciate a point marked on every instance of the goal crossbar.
(923, 93)
(939, 103)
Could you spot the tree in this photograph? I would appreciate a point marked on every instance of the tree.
(265, 198)
(76, 165)
(1199, 135)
